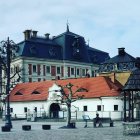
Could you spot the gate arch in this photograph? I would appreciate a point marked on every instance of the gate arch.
(54, 110)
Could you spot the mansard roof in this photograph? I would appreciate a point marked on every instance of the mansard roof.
(122, 57)
(60, 47)
(40, 48)
(97, 56)
(95, 88)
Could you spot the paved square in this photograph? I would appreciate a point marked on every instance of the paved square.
(80, 133)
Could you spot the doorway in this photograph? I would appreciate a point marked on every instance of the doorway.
(54, 110)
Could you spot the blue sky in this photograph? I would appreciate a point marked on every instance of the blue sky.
(107, 24)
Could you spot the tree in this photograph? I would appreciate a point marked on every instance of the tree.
(8, 51)
(68, 97)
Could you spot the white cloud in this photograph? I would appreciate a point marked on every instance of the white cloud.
(108, 24)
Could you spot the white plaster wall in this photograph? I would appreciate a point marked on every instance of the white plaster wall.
(110, 102)
(18, 107)
(107, 110)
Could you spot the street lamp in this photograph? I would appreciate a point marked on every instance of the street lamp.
(7, 51)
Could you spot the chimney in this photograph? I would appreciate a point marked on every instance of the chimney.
(47, 35)
(27, 34)
(34, 33)
(121, 51)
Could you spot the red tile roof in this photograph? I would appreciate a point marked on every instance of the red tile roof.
(96, 87)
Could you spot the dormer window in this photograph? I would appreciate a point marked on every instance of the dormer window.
(33, 50)
(35, 92)
(82, 90)
(18, 93)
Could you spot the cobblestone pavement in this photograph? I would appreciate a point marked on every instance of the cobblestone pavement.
(80, 133)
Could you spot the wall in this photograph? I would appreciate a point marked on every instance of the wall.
(122, 77)
(18, 107)
(56, 63)
(107, 109)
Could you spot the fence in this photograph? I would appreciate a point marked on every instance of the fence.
(116, 115)
(77, 115)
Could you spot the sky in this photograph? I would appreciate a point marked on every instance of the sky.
(105, 24)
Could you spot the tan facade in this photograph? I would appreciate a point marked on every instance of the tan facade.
(121, 77)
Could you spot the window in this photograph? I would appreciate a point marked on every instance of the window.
(68, 71)
(78, 71)
(82, 90)
(48, 69)
(94, 73)
(11, 110)
(38, 69)
(25, 109)
(35, 109)
(30, 69)
(34, 68)
(39, 79)
(58, 70)
(30, 79)
(84, 108)
(83, 72)
(18, 93)
(115, 107)
(44, 70)
(98, 107)
(35, 92)
(72, 71)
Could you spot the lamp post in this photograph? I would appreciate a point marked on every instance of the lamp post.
(7, 50)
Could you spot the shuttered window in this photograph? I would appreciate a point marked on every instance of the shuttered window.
(53, 70)
(30, 69)
(44, 70)
(38, 69)
(62, 71)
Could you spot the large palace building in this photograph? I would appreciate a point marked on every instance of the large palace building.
(58, 57)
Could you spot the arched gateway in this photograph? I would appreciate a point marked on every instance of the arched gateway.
(54, 110)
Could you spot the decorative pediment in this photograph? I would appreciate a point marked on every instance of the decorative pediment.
(55, 92)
